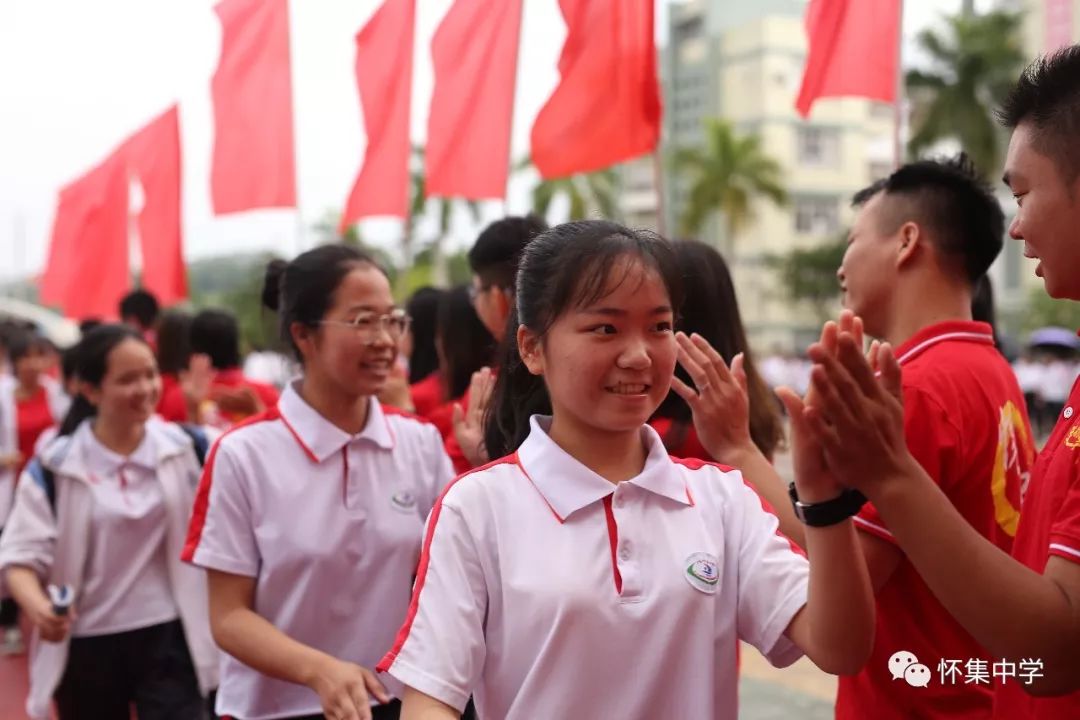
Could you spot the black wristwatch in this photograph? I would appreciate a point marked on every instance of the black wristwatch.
(830, 512)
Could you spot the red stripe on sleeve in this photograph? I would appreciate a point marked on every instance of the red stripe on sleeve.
(202, 495)
(425, 558)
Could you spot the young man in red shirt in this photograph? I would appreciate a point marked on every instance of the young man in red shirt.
(494, 261)
(216, 334)
(1024, 609)
(922, 240)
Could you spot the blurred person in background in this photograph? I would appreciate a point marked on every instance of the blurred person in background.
(103, 510)
(216, 334)
(418, 349)
(140, 309)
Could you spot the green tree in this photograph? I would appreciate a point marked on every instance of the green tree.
(725, 176)
(809, 275)
(589, 194)
(973, 63)
(1043, 310)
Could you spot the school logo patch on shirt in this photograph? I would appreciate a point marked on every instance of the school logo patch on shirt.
(703, 572)
(1072, 438)
(404, 500)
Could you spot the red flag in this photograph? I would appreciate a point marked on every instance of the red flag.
(253, 164)
(384, 52)
(153, 156)
(472, 107)
(606, 108)
(87, 271)
(853, 50)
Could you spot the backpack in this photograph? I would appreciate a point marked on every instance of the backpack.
(47, 479)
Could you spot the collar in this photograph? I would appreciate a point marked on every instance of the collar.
(947, 331)
(320, 438)
(102, 461)
(568, 486)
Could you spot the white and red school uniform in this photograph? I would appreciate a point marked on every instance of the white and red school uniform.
(1049, 526)
(329, 524)
(547, 591)
(113, 533)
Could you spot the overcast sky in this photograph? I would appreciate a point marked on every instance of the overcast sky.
(80, 75)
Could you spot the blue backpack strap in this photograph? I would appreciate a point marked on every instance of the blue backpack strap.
(45, 479)
(198, 440)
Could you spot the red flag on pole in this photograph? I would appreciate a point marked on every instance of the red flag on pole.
(87, 270)
(384, 52)
(854, 50)
(606, 108)
(153, 156)
(253, 164)
(472, 107)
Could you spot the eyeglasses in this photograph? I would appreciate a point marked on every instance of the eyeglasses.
(368, 325)
(474, 292)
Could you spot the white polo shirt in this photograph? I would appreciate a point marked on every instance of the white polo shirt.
(329, 524)
(127, 583)
(547, 591)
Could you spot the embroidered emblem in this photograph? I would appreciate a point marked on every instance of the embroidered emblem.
(1072, 438)
(403, 500)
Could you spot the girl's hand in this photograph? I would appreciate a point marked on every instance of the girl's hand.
(51, 627)
(719, 399)
(344, 689)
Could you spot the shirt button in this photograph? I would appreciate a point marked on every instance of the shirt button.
(624, 551)
(1068, 412)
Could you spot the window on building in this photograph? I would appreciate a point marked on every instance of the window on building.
(817, 215)
(818, 146)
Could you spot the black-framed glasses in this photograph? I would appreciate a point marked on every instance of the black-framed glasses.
(369, 324)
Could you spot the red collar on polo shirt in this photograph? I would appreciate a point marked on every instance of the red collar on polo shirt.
(319, 437)
(948, 331)
(568, 486)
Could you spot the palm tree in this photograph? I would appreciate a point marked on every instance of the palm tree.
(974, 63)
(419, 204)
(594, 193)
(725, 176)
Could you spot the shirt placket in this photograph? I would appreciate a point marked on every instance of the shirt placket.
(626, 546)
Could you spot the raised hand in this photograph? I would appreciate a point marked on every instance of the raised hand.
(858, 417)
(469, 422)
(718, 400)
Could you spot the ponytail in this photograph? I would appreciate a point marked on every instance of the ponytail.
(518, 395)
(81, 409)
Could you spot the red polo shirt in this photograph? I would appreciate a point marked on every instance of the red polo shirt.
(427, 394)
(172, 405)
(966, 424)
(1049, 526)
(232, 379)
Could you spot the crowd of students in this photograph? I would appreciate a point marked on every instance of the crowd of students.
(550, 493)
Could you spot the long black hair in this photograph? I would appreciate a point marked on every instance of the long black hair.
(91, 361)
(566, 267)
(174, 342)
(423, 308)
(465, 342)
(712, 311)
(302, 291)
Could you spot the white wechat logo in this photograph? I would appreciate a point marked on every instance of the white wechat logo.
(904, 665)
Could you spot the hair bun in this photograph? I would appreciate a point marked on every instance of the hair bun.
(271, 294)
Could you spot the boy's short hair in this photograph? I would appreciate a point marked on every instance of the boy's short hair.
(948, 198)
(1047, 96)
(495, 255)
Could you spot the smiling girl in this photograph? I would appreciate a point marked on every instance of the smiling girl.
(103, 510)
(309, 517)
(587, 573)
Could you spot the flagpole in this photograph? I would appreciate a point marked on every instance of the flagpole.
(513, 106)
(898, 104)
(658, 180)
(299, 240)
